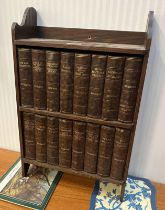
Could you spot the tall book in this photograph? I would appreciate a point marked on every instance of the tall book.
(78, 145)
(129, 91)
(119, 157)
(105, 150)
(81, 83)
(39, 78)
(40, 137)
(112, 87)
(53, 80)
(98, 68)
(25, 76)
(65, 143)
(91, 148)
(66, 82)
(52, 140)
(28, 135)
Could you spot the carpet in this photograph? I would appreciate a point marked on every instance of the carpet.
(139, 194)
(33, 191)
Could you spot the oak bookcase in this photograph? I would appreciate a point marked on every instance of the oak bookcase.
(103, 42)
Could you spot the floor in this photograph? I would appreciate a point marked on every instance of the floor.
(72, 192)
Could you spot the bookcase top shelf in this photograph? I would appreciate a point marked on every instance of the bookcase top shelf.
(128, 42)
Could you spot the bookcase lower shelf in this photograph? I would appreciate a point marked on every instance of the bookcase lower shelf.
(71, 171)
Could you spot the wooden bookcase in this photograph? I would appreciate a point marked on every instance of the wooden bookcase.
(107, 42)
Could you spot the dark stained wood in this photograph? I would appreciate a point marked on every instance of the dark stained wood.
(71, 171)
(105, 42)
(77, 118)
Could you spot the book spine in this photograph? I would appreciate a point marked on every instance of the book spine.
(129, 91)
(112, 87)
(28, 135)
(40, 137)
(65, 143)
(91, 148)
(66, 82)
(52, 140)
(120, 150)
(98, 68)
(25, 77)
(78, 145)
(105, 150)
(39, 78)
(53, 80)
(81, 83)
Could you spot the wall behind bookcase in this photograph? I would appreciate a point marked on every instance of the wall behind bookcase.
(148, 152)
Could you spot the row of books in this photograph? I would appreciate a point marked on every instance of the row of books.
(96, 85)
(78, 145)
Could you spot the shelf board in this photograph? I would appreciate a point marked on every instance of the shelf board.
(86, 119)
(71, 171)
(83, 45)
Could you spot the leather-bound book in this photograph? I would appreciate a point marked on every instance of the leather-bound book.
(53, 80)
(120, 150)
(130, 86)
(40, 137)
(52, 140)
(91, 148)
(107, 136)
(81, 83)
(66, 82)
(112, 87)
(65, 143)
(25, 76)
(79, 135)
(39, 78)
(28, 135)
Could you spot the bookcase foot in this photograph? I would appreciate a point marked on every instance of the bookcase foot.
(122, 192)
(25, 168)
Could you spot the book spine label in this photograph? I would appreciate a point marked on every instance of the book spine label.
(25, 77)
(105, 150)
(65, 142)
(53, 80)
(129, 91)
(40, 137)
(78, 145)
(28, 135)
(91, 148)
(39, 78)
(81, 83)
(112, 87)
(98, 68)
(66, 82)
(52, 140)
(122, 137)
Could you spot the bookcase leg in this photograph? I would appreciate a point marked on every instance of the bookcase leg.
(25, 168)
(122, 192)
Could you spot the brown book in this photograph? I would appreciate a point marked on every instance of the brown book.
(119, 156)
(112, 87)
(25, 76)
(98, 68)
(81, 83)
(28, 135)
(66, 82)
(129, 91)
(40, 137)
(39, 78)
(105, 150)
(91, 148)
(53, 80)
(65, 142)
(52, 140)
(79, 135)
